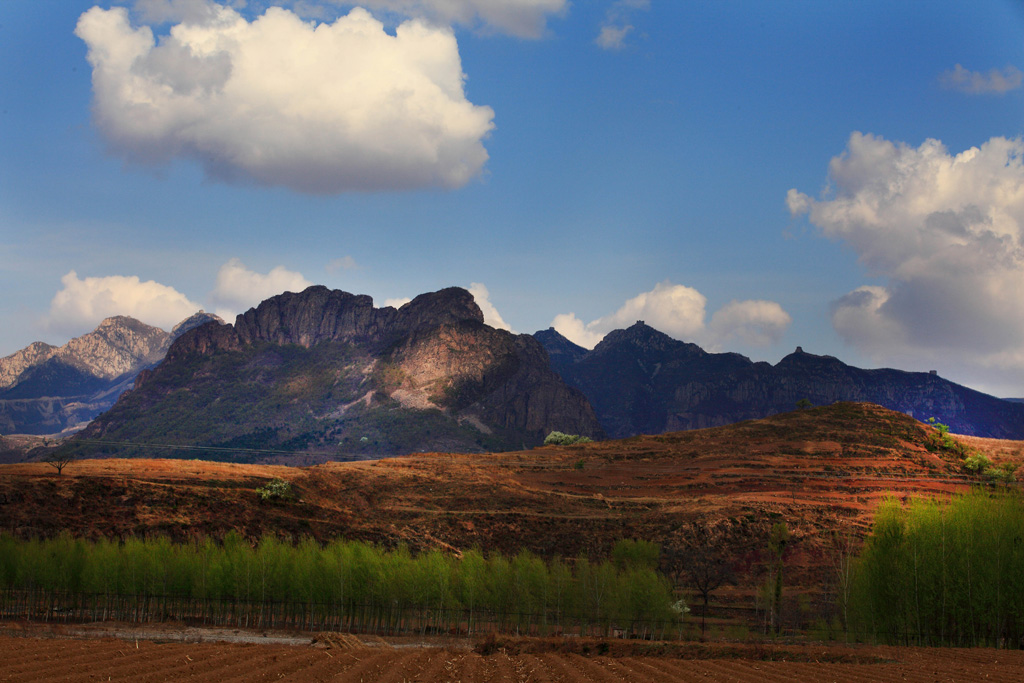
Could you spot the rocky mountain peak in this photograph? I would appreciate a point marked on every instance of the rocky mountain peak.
(561, 351)
(198, 318)
(13, 365)
(445, 307)
(318, 314)
(641, 337)
(118, 345)
(801, 358)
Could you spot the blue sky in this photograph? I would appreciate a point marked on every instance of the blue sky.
(750, 176)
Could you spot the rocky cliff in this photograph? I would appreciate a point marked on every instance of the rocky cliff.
(642, 381)
(46, 389)
(327, 373)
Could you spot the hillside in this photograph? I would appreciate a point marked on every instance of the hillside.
(324, 371)
(820, 470)
(641, 381)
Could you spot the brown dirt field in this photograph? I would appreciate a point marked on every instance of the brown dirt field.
(30, 657)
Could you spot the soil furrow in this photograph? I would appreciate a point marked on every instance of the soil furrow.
(277, 660)
(595, 669)
(635, 669)
(101, 657)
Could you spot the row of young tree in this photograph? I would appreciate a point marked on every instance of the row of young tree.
(949, 573)
(354, 578)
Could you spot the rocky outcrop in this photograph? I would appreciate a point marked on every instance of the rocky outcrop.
(642, 381)
(317, 315)
(324, 370)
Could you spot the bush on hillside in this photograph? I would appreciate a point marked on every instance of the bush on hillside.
(275, 490)
(562, 439)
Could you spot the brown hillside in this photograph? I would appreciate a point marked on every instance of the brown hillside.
(819, 470)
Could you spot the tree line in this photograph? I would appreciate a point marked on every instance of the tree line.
(345, 583)
(942, 573)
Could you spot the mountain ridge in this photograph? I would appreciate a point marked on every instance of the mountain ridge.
(640, 380)
(325, 370)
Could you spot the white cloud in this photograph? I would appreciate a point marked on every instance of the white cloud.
(237, 288)
(995, 82)
(947, 232)
(341, 263)
(522, 18)
(81, 304)
(397, 302)
(616, 26)
(753, 323)
(613, 37)
(483, 300)
(278, 101)
(577, 331)
(676, 310)
(679, 312)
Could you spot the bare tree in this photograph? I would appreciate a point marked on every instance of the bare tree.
(708, 562)
(59, 459)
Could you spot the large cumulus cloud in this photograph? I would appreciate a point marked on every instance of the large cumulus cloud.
(82, 303)
(318, 108)
(946, 233)
(680, 312)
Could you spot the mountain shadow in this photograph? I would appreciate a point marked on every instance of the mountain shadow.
(641, 381)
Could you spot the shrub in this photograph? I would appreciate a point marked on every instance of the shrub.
(977, 463)
(562, 439)
(275, 489)
(1005, 472)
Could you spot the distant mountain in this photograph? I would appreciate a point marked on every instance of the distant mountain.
(46, 389)
(325, 371)
(642, 381)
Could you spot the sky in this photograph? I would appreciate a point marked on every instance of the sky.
(844, 176)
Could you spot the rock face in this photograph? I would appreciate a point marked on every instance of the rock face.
(46, 389)
(642, 381)
(324, 371)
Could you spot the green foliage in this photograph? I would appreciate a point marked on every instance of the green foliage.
(1005, 473)
(562, 439)
(977, 463)
(804, 404)
(636, 554)
(943, 573)
(355, 578)
(943, 439)
(275, 490)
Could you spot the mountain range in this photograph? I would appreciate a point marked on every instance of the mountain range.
(325, 372)
(46, 389)
(641, 381)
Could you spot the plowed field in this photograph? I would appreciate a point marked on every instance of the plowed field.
(30, 658)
